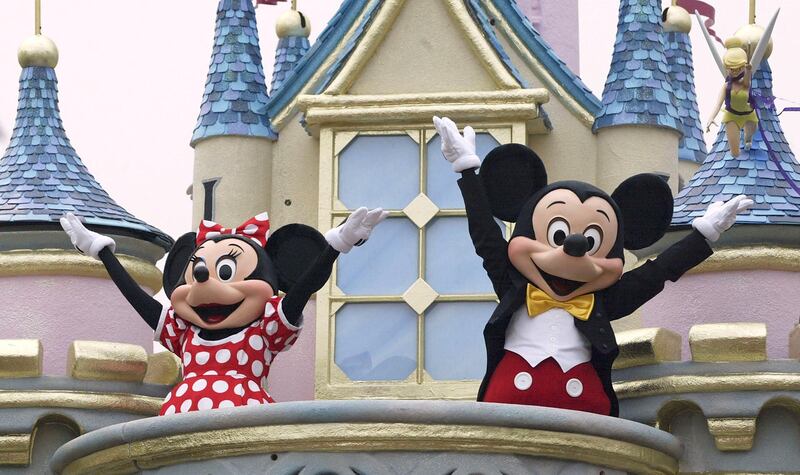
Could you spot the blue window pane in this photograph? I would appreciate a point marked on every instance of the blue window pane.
(379, 171)
(387, 264)
(454, 347)
(442, 187)
(451, 265)
(376, 341)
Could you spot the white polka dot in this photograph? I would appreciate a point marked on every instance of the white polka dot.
(256, 342)
(202, 357)
(262, 216)
(181, 324)
(209, 224)
(265, 401)
(226, 403)
(278, 340)
(241, 357)
(238, 390)
(170, 410)
(199, 385)
(253, 386)
(169, 396)
(239, 376)
(170, 330)
(250, 229)
(258, 368)
(187, 359)
(268, 357)
(190, 375)
(253, 402)
(205, 404)
(256, 241)
(186, 405)
(269, 309)
(182, 390)
(219, 386)
(212, 234)
(210, 373)
(272, 327)
(232, 372)
(223, 355)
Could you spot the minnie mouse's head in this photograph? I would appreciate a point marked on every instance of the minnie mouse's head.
(569, 236)
(222, 278)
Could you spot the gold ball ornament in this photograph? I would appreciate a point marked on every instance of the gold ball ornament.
(750, 35)
(677, 19)
(38, 50)
(292, 23)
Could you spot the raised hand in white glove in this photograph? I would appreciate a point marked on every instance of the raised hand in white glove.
(356, 230)
(457, 149)
(87, 242)
(720, 216)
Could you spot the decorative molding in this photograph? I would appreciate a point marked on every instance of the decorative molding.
(15, 449)
(117, 402)
(20, 358)
(372, 437)
(732, 433)
(72, 263)
(746, 258)
(647, 346)
(721, 342)
(683, 384)
(163, 368)
(106, 361)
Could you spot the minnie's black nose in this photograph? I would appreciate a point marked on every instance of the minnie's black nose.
(200, 273)
(576, 245)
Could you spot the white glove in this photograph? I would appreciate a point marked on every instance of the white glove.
(356, 230)
(720, 216)
(87, 242)
(458, 150)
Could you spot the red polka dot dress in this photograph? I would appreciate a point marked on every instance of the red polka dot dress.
(225, 373)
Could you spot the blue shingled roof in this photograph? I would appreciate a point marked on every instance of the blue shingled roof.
(523, 28)
(41, 176)
(752, 173)
(289, 52)
(235, 98)
(678, 52)
(638, 89)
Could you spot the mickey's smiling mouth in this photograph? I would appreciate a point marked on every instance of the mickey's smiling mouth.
(560, 285)
(214, 313)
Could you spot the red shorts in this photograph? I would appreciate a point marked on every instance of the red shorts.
(515, 382)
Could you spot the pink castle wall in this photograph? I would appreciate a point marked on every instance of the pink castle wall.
(291, 376)
(761, 296)
(557, 21)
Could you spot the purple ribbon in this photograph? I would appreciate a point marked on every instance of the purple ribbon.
(763, 101)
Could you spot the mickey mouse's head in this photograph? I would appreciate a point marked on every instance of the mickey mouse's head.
(225, 278)
(570, 235)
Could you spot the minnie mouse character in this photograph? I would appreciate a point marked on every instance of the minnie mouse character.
(226, 321)
(559, 278)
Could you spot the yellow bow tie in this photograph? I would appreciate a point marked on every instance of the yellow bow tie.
(539, 302)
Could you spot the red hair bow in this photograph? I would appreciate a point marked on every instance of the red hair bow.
(255, 228)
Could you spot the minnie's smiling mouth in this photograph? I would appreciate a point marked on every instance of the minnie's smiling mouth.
(213, 313)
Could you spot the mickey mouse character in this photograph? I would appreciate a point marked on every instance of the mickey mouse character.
(226, 321)
(559, 278)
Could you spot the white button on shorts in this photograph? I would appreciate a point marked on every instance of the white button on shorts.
(523, 381)
(574, 387)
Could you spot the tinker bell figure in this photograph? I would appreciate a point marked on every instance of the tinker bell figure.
(738, 70)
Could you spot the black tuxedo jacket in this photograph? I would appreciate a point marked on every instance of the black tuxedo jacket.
(632, 290)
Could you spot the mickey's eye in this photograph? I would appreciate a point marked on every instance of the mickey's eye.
(226, 269)
(594, 235)
(557, 231)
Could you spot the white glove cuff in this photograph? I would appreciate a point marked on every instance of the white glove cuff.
(706, 228)
(334, 238)
(99, 243)
(465, 162)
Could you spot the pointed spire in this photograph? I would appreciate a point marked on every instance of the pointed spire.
(638, 90)
(293, 29)
(235, 98)
(753, 173)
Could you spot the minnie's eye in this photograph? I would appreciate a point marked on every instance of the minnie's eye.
(226, 269)
(594, 235)
(557, 232)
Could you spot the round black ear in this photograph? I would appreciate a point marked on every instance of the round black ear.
(293, 249)
(176, 262)
(645, 202)
(511, 174)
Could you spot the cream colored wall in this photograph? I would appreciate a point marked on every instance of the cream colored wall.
(687, 170)
(295, 172)
(627, 150)
(244, 165)
(424, 51)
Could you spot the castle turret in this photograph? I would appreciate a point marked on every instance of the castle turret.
(293, 29)
(233, 137)
(638, 127)
(47, 289)
(678, 52)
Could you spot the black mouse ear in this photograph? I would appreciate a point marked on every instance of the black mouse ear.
(511, 174)
(292, 250)
(176, 262)
(645, 202)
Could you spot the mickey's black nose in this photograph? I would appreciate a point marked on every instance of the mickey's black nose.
(200, 273)
(576, 245)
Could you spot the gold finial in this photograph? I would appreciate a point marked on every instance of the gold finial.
(294, 5)
(752, 12)
(38, 50)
